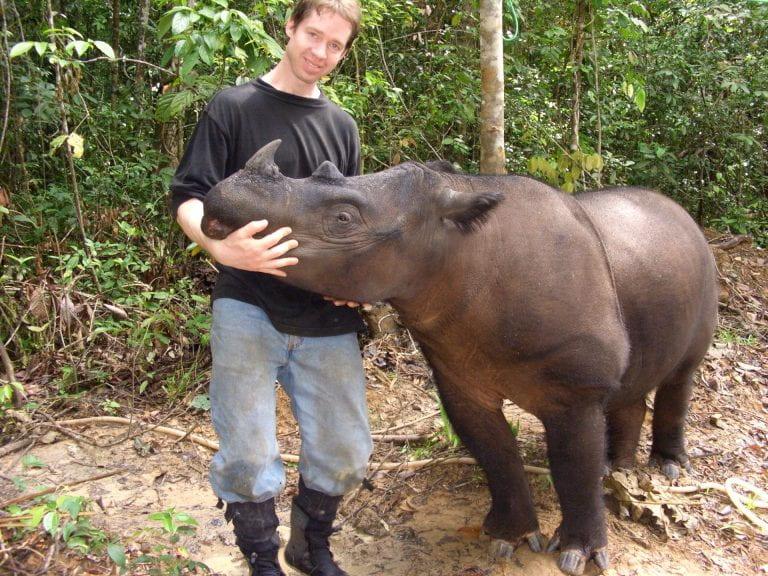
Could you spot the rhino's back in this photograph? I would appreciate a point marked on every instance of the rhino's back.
(665, 277)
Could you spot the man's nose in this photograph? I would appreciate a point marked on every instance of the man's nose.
(319, 51)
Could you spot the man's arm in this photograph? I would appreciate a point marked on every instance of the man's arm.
(240, 249)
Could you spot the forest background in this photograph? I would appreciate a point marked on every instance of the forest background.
(99, 98)
(105, 304)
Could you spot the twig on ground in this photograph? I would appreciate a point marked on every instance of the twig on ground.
(416, 464)
(406, 424)
(214, 446)
(26, 450)
(188, 433)
(127, 422)
(31, 495)
(400, 437)
(14, 446)
(729, 243)
(729, 489)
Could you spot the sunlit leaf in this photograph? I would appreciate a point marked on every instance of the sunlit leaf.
(105, 49)
(51, 522)
(21, 48)
(640, 98)
(75, 142)
(181, 21)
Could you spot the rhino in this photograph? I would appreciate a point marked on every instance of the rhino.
(573, 307)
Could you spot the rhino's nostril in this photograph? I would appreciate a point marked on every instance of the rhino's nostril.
(213, 228)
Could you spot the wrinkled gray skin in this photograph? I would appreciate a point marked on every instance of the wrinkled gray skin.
(572, 307)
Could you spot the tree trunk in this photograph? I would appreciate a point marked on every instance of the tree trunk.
(64, 125)
(6, 78)
(596, 67)
(115, 47)
(577, 58)
(492, 77)
(141, 47)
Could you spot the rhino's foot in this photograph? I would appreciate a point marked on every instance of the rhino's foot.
(573, 560)
(671, 467)
(616, 465)
(506, 549)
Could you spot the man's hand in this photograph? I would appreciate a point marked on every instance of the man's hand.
(350, 303)
(240, 249)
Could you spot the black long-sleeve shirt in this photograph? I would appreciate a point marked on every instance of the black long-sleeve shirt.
(235, 124)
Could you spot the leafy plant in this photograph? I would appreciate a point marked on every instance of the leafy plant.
(216, 37)
(166, 558)
(64, 518)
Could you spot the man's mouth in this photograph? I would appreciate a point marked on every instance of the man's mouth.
(312, 65)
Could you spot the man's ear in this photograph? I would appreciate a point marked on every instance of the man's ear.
(290, 27)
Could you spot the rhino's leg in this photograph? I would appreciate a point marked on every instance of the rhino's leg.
(624, 426)
(576, 449)
(669, 411)
(486, 433)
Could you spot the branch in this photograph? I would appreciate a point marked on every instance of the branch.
(6, 52)
(7, 364)
(214, 446)
(14, 446)
(19, 396)
(31, 495)
(133, 60)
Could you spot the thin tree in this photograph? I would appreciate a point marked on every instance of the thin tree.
(577, 58)
(492, 77)
(141, 46)
(116, 47)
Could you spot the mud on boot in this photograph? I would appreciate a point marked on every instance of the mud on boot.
(308, 548)
(255, 525)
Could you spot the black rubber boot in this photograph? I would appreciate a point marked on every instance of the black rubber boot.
(312, 516)
(255, 526)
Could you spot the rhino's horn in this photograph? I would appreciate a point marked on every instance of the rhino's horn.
(328, 171)
(263, 162)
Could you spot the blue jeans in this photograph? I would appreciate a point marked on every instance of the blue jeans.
(324, 378)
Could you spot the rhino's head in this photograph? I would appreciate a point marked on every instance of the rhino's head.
(363, 238)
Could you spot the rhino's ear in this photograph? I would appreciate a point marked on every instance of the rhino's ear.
(466, 210)
(263, 162)
(443, 166)
(328, 171)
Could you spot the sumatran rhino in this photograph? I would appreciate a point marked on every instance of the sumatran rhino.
(573, 307)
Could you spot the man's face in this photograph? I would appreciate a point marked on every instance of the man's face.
(317, 44)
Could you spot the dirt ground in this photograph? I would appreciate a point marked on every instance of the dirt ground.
(427, 521)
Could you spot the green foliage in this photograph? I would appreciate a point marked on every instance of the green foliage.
(208, 43)
(31, 461)
(63, 518)
(567, 170)
(175, 524)
(165, 559)
(674, 97)
(447, 429)
(201, 402)
(7, 392)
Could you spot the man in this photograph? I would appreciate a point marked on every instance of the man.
(264, 330)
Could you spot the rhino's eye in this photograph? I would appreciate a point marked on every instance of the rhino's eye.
(341, 220)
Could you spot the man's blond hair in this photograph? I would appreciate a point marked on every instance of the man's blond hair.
(348, 9)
